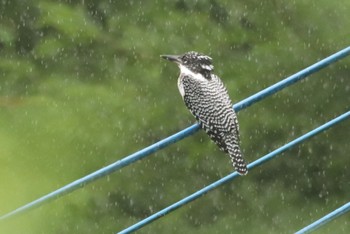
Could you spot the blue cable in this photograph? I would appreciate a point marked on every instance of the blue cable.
(234, 175)
(176, 137)
(327, 218)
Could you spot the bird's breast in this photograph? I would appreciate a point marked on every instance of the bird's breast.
(180, 86)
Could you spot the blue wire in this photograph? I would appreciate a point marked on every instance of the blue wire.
(292, 79)
(234, 175)
(327, 218)
(176, 137)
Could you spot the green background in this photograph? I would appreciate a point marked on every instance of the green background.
(82, 86)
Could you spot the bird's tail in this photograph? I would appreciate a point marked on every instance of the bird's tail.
(237, 160)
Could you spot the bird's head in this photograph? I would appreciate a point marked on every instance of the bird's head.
(193, 61)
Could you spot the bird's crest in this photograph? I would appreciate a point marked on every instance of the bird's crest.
(198, 63)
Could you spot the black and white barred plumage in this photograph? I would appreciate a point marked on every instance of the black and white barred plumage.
(206, 97)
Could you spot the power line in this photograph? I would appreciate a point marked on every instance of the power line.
(327, 218)
(234, 175)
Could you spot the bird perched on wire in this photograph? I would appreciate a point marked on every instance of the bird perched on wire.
(207, 99)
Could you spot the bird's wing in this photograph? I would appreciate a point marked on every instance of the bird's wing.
(211, 106)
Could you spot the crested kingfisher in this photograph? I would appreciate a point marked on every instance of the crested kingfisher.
(207, 99)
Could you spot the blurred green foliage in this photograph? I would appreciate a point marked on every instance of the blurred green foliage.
(82, 85)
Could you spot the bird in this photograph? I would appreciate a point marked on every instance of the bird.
(206, 97)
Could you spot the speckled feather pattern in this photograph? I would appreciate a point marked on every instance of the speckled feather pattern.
(209, 102)
(206, 97)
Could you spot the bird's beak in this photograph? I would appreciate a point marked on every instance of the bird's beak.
(172, 58)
